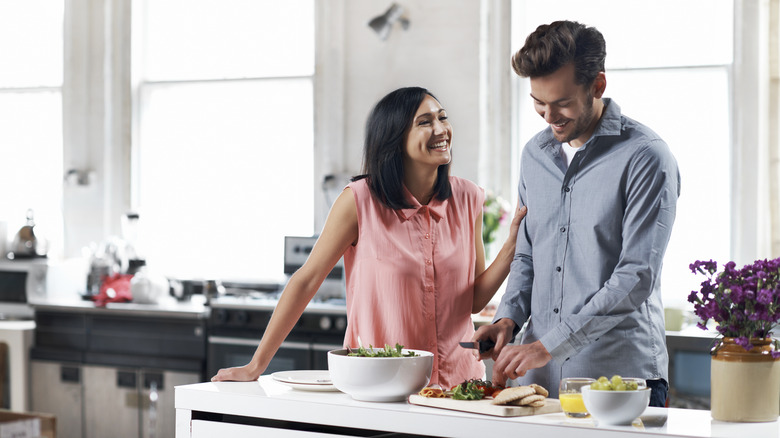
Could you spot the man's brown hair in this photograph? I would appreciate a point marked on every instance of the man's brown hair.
(551, 46)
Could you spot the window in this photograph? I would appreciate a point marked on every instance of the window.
(677, 81)
(31, 42)
(223, 150)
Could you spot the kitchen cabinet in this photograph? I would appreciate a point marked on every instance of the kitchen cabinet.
(99, 401)
(56, 389)
(96, 369)
(126, 409)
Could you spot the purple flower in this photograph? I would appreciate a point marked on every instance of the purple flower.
(699, 266)
(765, 297)
(738, 295)
(743, 303)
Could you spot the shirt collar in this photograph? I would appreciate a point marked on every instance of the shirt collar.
(435, 207)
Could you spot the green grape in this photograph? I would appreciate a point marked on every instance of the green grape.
(616, 383)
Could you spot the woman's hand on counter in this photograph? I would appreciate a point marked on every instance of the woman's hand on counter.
(245, 373)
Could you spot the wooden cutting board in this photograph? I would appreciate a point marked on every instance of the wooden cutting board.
(485, 406)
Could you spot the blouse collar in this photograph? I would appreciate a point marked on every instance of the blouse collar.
(435, 206)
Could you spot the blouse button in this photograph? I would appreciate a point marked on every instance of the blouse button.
(427, 236)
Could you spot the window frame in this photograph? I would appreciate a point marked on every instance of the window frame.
(100, 119)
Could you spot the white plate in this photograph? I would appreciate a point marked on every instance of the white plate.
(303, 377)
(308, 386)
(305, 380)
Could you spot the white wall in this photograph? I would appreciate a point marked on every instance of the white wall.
(439, 51)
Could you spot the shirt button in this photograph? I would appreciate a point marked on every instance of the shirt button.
(558, 268)
(427, 236)
(555, 310)
(563, 229)
(427, 262)
(566, 189)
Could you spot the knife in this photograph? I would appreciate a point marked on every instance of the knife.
(483, 346)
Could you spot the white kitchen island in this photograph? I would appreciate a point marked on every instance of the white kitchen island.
(270, 408)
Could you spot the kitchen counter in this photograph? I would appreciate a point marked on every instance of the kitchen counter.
(243, 409)
(172, 308)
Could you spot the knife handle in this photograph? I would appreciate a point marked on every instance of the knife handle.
(486, 345)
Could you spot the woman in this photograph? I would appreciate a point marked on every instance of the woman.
(411, 237)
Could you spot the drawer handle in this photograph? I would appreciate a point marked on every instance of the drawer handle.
(150, 378)
(70, 374)
(125, 379)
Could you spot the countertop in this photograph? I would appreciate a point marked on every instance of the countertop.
(231, 409)
(168, 308)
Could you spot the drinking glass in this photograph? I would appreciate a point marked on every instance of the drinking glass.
(570, 395)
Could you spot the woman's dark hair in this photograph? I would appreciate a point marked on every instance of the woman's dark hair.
(551, 46)
(383, 150)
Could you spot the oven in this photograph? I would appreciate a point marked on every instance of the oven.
(236, 325)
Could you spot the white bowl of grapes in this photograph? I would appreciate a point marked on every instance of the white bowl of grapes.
(619, 400)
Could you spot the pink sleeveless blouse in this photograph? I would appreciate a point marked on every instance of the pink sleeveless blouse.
(410, 278)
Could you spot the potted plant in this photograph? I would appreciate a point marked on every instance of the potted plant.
(494, 214)
(744, 304)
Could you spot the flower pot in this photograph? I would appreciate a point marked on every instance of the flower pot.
(745, 385)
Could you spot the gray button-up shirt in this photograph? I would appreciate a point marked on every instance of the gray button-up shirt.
(588, 261)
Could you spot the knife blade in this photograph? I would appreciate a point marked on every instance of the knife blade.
(482, 346)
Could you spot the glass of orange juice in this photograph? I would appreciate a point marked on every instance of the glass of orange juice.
(570, 395)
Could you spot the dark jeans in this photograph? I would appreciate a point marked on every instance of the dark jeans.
(659, 390)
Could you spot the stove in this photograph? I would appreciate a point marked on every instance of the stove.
(237, 323)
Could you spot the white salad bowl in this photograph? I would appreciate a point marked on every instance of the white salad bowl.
(380, 379)
(616, 407)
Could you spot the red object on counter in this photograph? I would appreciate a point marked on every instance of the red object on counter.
(114, 289)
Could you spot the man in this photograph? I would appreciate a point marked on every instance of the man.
(601, 191)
